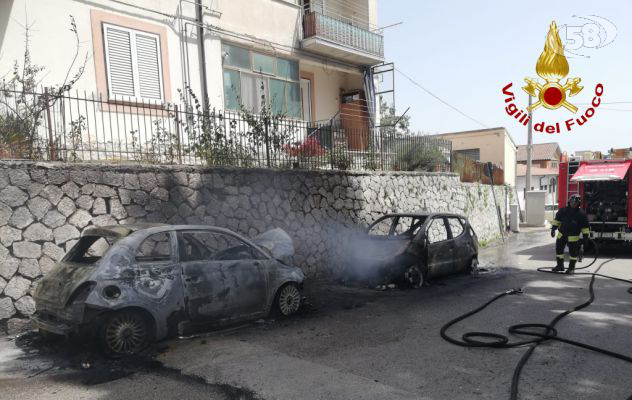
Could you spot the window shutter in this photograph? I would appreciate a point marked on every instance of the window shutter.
(119, 62)
(147, 54)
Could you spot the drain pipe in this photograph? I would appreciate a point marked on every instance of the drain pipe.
(201, 52)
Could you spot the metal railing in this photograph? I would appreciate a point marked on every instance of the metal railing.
(81, 127)
(341, 32)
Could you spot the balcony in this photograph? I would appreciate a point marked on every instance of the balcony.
(338, 39)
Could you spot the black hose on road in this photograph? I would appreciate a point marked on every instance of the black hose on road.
(537, 332)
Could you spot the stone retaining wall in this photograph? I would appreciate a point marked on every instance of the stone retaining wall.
(44, 207)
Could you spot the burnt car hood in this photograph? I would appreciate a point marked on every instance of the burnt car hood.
(277, 242)
(61, 282)
(377, 248)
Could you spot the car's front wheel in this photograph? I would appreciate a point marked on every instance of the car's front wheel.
(414, 277)
(288, 300)
(124, 332)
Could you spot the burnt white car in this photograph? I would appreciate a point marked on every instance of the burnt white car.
(132, 284)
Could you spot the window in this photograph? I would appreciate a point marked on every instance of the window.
(213, 246)
(156, 247)
(437, 231)
(133, 63)
(381, 228)
(474, 154)
(408, 226)
(251, 77)
(456, 226)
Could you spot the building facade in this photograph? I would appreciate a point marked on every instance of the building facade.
(545, 159)
(493, 145)
(302, 57)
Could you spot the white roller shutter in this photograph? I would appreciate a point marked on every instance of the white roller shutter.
(119, 62)
(133, 63)
(147, 54)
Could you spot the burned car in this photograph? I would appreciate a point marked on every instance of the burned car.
(414, 247)
(131, 284)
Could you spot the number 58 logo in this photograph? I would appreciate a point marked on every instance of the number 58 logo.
(597, 33)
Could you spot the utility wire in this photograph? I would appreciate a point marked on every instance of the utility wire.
(440, 99)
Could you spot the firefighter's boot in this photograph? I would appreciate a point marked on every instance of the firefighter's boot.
(571, 267)
(560, 265)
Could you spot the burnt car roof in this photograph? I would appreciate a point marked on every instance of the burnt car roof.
(423, 214)
(124, 230)
(119, 230)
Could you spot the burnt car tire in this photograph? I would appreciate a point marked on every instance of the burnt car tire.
(287, 300)
(414, 277)
(124, 333)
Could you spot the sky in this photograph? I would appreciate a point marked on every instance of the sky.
(465, 52)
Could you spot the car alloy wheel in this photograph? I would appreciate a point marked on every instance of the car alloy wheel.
(125, 333)
(289, 300)
(414, 277)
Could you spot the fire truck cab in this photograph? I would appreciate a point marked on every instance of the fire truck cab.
(605, 187)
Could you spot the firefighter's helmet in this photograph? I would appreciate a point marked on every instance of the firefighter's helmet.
(575, 198)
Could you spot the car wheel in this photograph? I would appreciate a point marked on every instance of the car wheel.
(288, 300)
(124, 332)
(414, 277)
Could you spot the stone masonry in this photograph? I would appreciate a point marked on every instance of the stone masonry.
(44, 208)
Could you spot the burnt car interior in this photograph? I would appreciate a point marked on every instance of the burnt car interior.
(214, 247)
(397, 227)
(89, 249)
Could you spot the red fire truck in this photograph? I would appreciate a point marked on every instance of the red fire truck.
(605, 187)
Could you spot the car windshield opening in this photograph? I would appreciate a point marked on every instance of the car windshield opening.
(89, 249)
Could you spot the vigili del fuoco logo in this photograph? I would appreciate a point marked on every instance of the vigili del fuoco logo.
(552, 67)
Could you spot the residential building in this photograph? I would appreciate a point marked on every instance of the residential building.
(493, 145)
(545, 159)
(308, 58)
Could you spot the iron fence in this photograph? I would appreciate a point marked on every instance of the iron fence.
(85, 127)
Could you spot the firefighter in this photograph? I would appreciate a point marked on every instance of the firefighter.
(570, 222)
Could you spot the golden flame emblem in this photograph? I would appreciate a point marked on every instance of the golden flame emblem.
(552, 66)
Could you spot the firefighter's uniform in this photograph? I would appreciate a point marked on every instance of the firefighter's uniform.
(570, 224)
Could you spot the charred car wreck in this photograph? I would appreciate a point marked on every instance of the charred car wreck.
(412, 248)
(132, 284)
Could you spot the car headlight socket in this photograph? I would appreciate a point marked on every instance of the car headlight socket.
(111, 292)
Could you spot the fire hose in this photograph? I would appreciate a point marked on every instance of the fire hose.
(535, 333)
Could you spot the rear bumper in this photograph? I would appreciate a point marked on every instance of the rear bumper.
(623, 236)
(50, 323)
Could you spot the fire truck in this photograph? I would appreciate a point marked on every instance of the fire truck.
(605, 187)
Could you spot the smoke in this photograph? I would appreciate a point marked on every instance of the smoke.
(355, 257)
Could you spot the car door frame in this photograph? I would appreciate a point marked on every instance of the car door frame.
(220, 303)
(441, 247)
(462, 247)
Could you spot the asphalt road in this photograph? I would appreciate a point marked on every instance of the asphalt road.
(358, 343)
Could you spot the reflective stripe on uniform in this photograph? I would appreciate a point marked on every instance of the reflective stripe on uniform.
(572, 258)
(585, 231)
(572, 239)
(559, 235)
(555, 222)
(560, 255)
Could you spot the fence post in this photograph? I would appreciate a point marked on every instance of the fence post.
(51, 143)
(266, 123)
(178, 143)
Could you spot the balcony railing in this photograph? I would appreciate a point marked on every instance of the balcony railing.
(343, 33)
